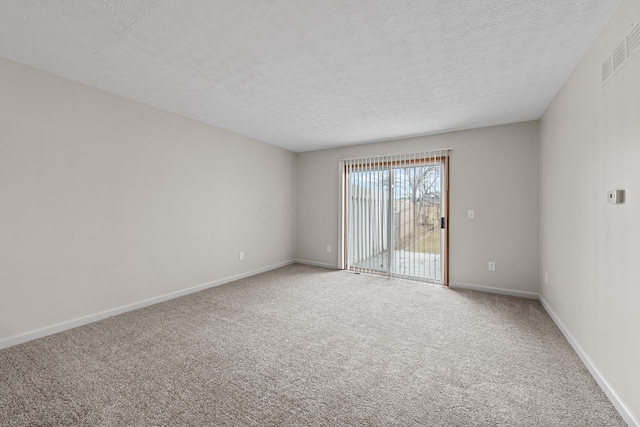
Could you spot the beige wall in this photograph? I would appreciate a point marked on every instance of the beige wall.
(590, 143)
(106, 202)
(494, 171)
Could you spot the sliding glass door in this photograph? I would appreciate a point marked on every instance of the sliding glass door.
(394, 216)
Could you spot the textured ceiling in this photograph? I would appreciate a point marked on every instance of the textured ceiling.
(309, 74)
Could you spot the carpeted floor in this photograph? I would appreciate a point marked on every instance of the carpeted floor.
(305, 346)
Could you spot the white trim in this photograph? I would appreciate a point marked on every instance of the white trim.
(74, 323)
(341, 216)
(316, 264)
(617, 402)
(501, 291)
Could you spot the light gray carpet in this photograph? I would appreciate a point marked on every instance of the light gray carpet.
(306, 346)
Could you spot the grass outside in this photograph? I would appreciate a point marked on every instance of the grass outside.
(426, 240)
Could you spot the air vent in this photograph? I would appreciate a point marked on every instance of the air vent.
(619, 55)
(607, 69)
(625, 50)
(633, 41)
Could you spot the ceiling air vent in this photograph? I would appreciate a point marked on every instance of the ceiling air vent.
(625, 50)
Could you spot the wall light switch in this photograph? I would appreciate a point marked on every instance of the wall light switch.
(471, 214)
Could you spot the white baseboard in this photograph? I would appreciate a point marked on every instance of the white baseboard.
(617, 402)
(74, 323)
(316, 264)
(489, 289)
(620, 406)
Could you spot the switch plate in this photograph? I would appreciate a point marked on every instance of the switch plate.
(492, 266)
(241, 256)
(471, 214)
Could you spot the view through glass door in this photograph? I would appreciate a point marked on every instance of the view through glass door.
(395, 216)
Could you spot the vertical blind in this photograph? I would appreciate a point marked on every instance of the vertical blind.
(393, 208)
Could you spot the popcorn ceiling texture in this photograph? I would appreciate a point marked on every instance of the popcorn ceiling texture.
(310, 74)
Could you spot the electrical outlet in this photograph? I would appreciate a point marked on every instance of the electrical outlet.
(328, 248)
(471, 214)
(241, 256)
(492, 266)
